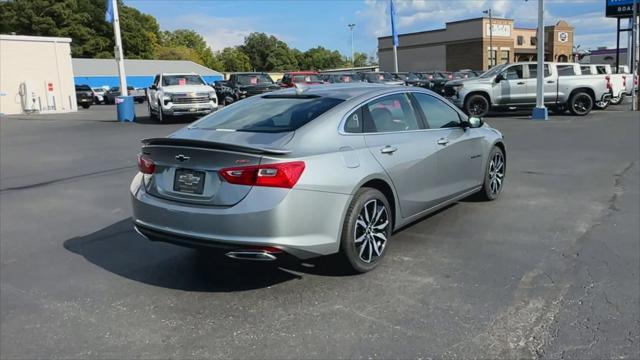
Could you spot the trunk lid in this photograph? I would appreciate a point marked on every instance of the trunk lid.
(187, 167)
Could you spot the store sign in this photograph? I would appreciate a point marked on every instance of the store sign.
(620, 8)
(498, 30)
(563, 36)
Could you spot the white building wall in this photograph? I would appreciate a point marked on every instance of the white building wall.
(42, 67)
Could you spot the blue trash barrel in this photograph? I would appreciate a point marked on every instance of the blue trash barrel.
(126, 109)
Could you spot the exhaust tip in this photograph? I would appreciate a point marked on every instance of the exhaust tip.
(255, 255)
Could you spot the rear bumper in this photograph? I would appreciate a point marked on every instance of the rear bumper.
(302, 223)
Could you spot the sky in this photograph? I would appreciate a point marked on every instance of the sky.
(304, 24)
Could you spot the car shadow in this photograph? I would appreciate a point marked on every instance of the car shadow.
(120, 250)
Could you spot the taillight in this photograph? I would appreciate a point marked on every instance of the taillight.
(284, 175)
(145, 164)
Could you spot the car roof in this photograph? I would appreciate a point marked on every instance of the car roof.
(249, 73)
(340, 91)
(302, 73)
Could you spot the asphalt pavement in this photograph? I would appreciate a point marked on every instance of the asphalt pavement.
(550, 270)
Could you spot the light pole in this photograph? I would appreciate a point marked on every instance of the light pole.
(491, 62)
(540, 111)
(353, 61)
(634, 56)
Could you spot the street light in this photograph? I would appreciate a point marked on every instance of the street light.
(353, 62)
(490, 38)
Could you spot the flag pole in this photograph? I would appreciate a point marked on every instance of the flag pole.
(118, 49)
(394, 35)
(395, 58)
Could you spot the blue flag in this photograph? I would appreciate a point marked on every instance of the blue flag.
(108, 16)
(394, 33)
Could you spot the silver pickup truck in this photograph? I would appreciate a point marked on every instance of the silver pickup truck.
(513, 86)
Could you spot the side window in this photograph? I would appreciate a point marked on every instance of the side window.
(601, 70)
(438, 113)
(354, 122)
(513, 72)
(586, 70)
(533, 71)
(156, 80)
(566, 70)
(390, 113)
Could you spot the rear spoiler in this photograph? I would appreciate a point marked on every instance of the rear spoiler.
(213, 145)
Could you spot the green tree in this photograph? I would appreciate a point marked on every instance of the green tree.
(267, 53)
(320, 58)
(233, 59)
(360, 59)
(177, 53)
(191, 40)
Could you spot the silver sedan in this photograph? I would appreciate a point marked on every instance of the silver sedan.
(311, 172)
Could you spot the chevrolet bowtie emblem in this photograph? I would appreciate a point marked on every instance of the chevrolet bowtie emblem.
(189, 179)
(182, 158)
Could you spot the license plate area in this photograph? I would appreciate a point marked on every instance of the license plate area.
(189, 181)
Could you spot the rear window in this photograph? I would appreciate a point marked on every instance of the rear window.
(268, 114)
(566, 70)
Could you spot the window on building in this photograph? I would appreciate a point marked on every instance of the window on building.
(520, 40)
(504, 56)
(493, 54)
(534, 40)
(566, 70)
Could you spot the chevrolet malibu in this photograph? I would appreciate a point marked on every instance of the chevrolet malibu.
(317, 171)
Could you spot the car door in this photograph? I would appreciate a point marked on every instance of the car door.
(550, 84)
(153, 92)
(395, 137)
(459, 150)
(512, 89)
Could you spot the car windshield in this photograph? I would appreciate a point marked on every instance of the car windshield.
(345, 78)
(492, 72)
(168, 80)
(401, 76)
(412, 76)
(379, 77)
(254, 79)
(83, 88)
(268, 114)
(306, 78)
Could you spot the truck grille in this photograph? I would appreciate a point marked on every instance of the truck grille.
(190, 100)
(448, 91)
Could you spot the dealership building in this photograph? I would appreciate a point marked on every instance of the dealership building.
(474, 44)
(140, 73)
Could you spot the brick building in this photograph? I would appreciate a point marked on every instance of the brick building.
(466, 45)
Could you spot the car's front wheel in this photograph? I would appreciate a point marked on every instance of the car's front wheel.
(366, 230)
(494, 175)
(477, 105)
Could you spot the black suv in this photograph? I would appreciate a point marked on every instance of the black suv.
(84, 96)
(242, 85)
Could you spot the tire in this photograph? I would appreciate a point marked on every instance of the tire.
(85, 106)
(616, 100)
(494, 179)
(580, 104)
(601, 105)
(363, 242)
(140, 101)
(477, 105)
(160, 113)
(152, 115)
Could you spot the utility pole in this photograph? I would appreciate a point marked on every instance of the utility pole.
(118, 49)
(353, 60)
(540, 111)
(634, 56)
(491, 58)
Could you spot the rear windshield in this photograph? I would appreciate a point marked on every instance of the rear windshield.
(306, 78)
(268, 114)
(168, 80)
(254, 79)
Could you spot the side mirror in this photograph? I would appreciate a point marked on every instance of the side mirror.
(153, 87)
(499, 78)
(474, 122)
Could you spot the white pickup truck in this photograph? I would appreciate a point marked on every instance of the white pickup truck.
(618, 82)
(513, 86)
(180, 94)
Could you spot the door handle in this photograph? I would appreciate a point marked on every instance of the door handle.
(388, 149)
(443, 141)
(520, 83)
(550, 82)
